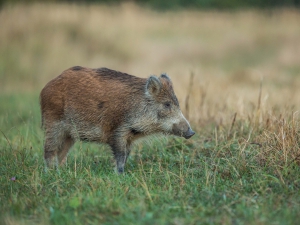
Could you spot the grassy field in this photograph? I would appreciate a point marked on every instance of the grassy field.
(237, 77)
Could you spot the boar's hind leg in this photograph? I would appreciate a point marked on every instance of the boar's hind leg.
(54, 143)
(64, 149)
(49, 153)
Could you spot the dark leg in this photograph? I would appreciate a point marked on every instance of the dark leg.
(121, 153)
(120, 158)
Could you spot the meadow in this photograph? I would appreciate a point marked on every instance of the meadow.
(237, 77)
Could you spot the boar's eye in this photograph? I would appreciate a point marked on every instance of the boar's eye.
(167, 105)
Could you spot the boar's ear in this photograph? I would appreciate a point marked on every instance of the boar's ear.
(165, 76)
(153, 85)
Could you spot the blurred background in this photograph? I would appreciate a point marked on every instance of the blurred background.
(224, 56)
(235, 65)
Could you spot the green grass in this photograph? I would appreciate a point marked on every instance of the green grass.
(214, 178)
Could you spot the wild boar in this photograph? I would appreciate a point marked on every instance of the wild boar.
(107, 106)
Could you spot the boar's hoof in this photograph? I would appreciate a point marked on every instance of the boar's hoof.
(120, 170)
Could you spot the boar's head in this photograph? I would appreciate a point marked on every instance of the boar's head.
(164, 107)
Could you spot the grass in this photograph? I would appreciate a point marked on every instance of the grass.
(242, 166)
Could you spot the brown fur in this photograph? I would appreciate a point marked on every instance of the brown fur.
(106, 106)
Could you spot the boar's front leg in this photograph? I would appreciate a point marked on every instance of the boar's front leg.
(121, 152)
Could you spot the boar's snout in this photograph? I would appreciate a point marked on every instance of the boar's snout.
(189, 133)
(183, 129)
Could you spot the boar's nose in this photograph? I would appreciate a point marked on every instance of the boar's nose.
(189, 133)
